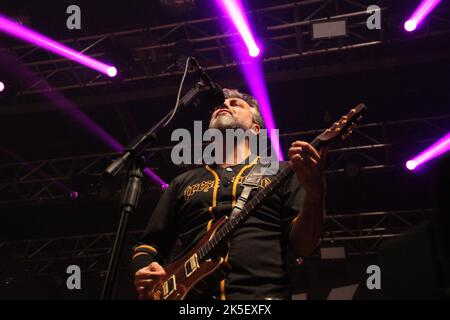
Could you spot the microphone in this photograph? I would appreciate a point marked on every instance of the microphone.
(214, 95)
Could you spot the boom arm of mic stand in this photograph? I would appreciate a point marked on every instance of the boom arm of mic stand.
(135, 148)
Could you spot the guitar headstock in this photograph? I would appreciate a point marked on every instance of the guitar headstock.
(344, 127)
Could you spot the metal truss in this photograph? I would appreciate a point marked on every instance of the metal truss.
(360, 234)
(150, 53)
(370, 148)
(53, 256)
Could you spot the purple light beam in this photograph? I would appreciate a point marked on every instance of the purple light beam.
(422, 11)
(236, 12)
(440, 147)
(2, 86)
(253, 73)
(12, 65)
(12, 28)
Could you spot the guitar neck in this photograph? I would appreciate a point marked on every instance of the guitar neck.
(234, 222)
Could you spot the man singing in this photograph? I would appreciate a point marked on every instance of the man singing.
(292, 216)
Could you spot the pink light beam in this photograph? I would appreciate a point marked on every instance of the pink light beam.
(440, 147)
(422, 11)
(18, 31)
(237, 15)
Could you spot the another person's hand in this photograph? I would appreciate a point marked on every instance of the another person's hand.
(146, 278)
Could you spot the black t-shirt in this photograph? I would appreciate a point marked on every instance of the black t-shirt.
(257, 249)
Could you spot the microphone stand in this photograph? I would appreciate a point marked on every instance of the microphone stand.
(132, 158)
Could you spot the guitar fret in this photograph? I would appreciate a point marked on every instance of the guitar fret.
(223, 233)
(228, 228)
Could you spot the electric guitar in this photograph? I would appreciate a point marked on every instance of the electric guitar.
(190, 276)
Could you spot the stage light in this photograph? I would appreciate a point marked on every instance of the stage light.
(254, 52)
(112, 72)
(411, 165)
(440, 147)
(16, 30)
(237, 14)
(422, 11)
(2, 86)
(410, 25)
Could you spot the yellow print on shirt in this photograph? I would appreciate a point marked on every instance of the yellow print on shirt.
(205, 186)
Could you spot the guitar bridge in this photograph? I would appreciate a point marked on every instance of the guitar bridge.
(191, 265)
(169, 286)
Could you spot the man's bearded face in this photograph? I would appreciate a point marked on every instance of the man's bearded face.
(235, 113)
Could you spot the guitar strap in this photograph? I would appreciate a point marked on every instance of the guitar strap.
(250, 183)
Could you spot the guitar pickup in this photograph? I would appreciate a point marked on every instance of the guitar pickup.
(169, 286)
(191, 265)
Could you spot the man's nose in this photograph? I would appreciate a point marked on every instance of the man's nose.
(226, 104)
(223, 106)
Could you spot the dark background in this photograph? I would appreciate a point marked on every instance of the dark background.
(391, 87)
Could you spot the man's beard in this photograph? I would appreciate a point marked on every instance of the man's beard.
(224, 122)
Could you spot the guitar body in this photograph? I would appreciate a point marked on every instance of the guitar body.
(188, 277)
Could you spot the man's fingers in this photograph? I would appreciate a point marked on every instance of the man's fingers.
(303, 162)
(149, 275)
(305, 145)
(303, 153)
(304, 150)
(144, 283)
(155, 266)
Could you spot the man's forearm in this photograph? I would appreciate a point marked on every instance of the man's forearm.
(308, 225)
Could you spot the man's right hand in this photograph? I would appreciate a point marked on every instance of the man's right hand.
(146, 278)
